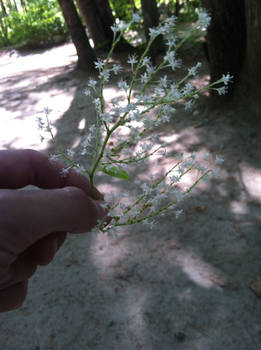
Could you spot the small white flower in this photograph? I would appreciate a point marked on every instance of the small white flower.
(123, 85)
(92, 83)
(222, 90)
(144, 78)
(154, 32)
(136, 18)
(132, 59)
(106, 117)
(226, 78)
(65, 171)
(116, 68)
(172, 42)
(105, 74)
(188, 105)
(47, 110)
(215, 173)
(219, 160)
(178, 213)
(54, 157)
(99, 64)
(203, 19)
(146, 61)
(193, 70)
(87, 92)
(206, 156)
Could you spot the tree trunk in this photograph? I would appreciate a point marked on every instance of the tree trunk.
(150, 20)
(226, 38)
(86, 55)
(98, 18)
(234, 45)
(3, 8)
(177, 8)
(101, 36)
(249, 87)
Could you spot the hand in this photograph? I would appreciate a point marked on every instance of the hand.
(34, 223)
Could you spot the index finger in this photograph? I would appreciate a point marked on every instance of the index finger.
(20, 168)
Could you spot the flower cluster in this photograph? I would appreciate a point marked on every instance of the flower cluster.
(158, 95)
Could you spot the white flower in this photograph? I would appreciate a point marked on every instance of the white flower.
(54, 157)
(187, 90)
(106, 117)
(203, 19)
(219, 160)
(164, 81)
(99, 64)
(193, 70)
(173, 62)
(178, 213)
(226, 78)
(154, 32)
(123, 85)
(92, 83)
(116, 68)
(171, 42)
(136, 18)
(206, 156)
(132, 59)
(144, 78)
(65, 171)
(146, 61)
(47, 110)
(188, 105)
(87, 92)
(222, 90)
(105, 74)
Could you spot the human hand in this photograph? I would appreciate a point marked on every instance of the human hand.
(34, 223)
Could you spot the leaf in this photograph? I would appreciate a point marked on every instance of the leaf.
(115, 172)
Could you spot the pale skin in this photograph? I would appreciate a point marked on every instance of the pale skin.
(34, 223)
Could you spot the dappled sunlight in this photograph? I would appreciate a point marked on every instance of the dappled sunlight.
(239, 208)
(251, 178)
(199, 271)
(201, 82)
(47, 59)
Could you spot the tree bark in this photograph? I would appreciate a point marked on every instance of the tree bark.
(98, 18)
(234, 45)
(86, 55)
(3, 8)
(150, 20)
(226, 40)
(250, 79)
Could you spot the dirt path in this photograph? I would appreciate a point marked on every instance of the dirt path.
(183, 285)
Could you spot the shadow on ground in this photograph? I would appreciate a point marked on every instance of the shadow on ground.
(183, 284)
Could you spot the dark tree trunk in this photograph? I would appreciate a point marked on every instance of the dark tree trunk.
(150, 20)
(101, 36)
(86, 55)
(98, 17)
(226, 39)
(250, 80)
(3, 8)
(3, 26)
(177, 8)
(234, 44)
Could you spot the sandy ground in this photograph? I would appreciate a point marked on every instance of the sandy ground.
(192, 283)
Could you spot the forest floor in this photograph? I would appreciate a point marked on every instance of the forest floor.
(187, 284)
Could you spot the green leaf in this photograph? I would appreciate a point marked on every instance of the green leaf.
(115, 172)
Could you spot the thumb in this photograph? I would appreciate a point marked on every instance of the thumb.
(28, 216)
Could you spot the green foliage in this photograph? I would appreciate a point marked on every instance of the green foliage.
(123, 9)
(40, 23)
